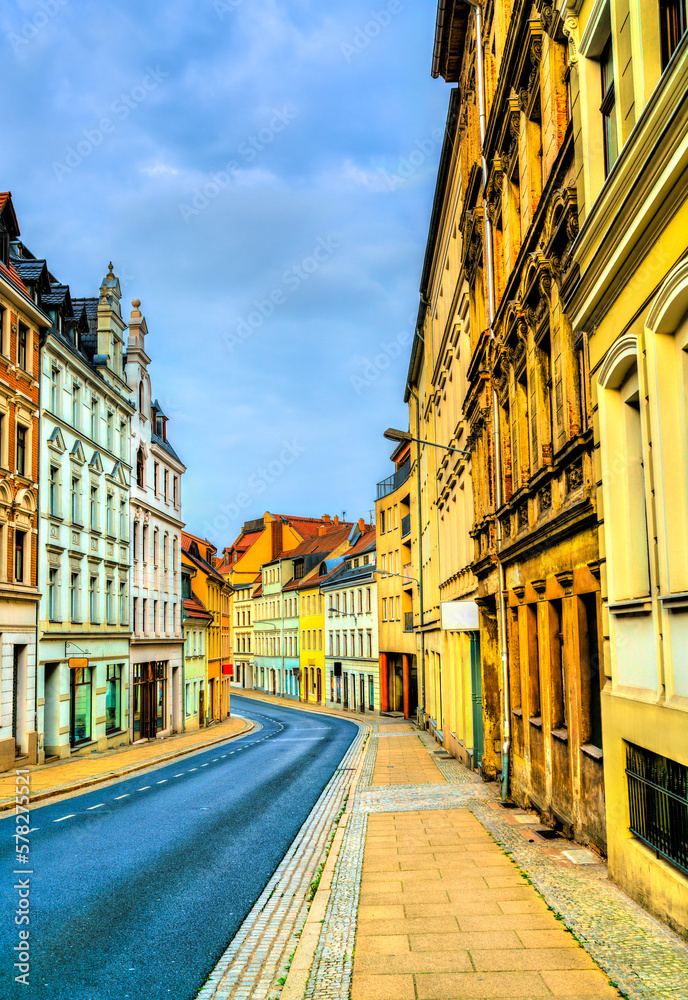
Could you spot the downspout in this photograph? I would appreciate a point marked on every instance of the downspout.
(506, 705)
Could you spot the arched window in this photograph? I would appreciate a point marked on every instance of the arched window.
(140, 468)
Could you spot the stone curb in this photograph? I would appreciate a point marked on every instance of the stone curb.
(123, 772)
(299, 971)
(282, 909)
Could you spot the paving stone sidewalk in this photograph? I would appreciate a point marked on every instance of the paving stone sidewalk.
(439, 893)
(82, 770)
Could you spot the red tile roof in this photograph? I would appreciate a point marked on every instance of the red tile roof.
(10, 274)
(362, 544)
(195, 608)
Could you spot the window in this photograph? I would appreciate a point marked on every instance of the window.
(658, 811)
(22, 341)
(155, 616)
(94, 418)
(110, 514)
(19, 543)
(165, 486)
(93, 508)
(164, 616)
(672, 26)
(76, 404)
(557, 666)
(369, 644)
(52, 594)
(608, 109)
(144, 543)
(320, 639)
(382, 522)
(174, 490)
(156, 475)
(74, 597)
(188, 704)
(113, 698)
(3, 424)
(54, 388)
(368, 607)
(140, 469)
(533, 662)
(135, 609)
(155, 546)
(384, 609)
(21, 450)
(74, 500)
(123, 603)
(93, 600)
(109, 606)
(54, 490)
(110, 431)
(122, 439)
(123, 520)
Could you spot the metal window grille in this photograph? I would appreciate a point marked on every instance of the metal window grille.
(658, 803)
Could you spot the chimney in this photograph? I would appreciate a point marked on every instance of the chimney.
(326, 518)
(336, 518)
(361, 525)
(275, 539)
(322, 530)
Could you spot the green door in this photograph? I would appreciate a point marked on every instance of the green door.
(477, 698)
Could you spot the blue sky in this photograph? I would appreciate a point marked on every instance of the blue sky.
(261, 174)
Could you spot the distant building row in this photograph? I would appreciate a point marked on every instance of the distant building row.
(96, 575)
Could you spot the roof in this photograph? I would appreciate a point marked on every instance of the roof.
(166, 446)
(195, 608)
(319, 543)
(364, 544)
(7, 207)
(190, 541)
(307, 527)
(10, 274)
(450, 38)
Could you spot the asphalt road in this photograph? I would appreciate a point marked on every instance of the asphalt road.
(138, 887)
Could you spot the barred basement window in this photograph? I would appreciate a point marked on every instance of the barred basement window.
(658, 803)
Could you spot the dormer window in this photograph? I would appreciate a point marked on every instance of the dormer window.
(4, 247)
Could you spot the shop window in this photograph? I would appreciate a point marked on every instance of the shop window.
(113, 698)
(81, 706)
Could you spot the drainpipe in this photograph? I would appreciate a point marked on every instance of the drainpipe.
(506, 706)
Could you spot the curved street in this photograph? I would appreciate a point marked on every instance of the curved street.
(138, 887)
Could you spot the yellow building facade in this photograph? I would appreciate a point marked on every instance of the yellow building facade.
(631, 305)
(397, 589)
(312, 640)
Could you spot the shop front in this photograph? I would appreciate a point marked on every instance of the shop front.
(82, 695)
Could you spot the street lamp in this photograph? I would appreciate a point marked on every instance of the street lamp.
(392, 434)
